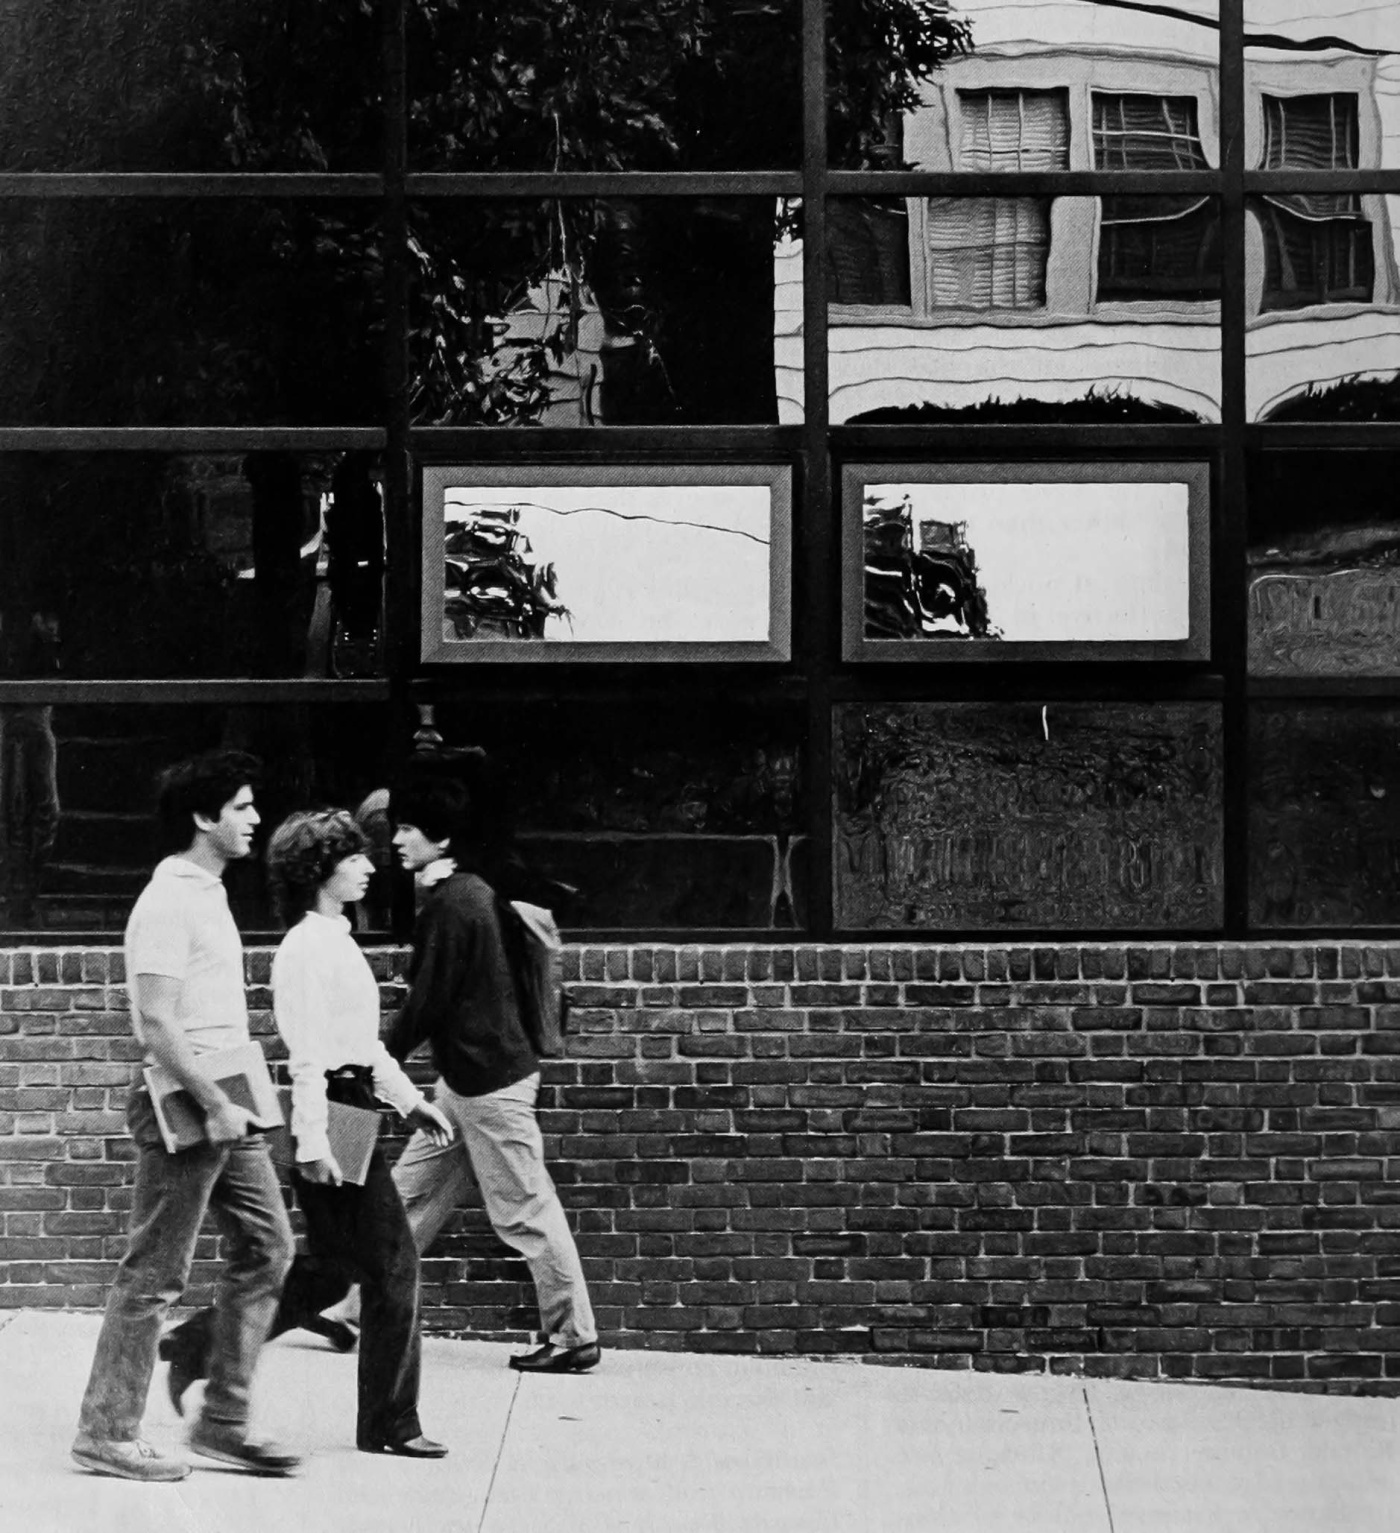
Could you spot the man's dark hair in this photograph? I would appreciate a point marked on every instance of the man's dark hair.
(440, 792)
(201, 784)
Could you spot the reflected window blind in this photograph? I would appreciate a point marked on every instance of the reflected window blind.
(1024, 130)
(987, 252)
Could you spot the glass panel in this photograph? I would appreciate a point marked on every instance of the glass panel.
(1322, 84)
(78, 827)
(1324, 342)
(659, 815)
(225, 313)
(1324, 820)
(178, 87)
(201, 564)
(638, 85)
(649, 311)
(1071, 309)
(1009, 816)
(960, 561)
(1324, 564)
(992, 85)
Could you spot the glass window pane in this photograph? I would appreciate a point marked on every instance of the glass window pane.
(649, 311)
(1007, 816)
(1071, 309)
(167, 312)
(1324, 821)
(190, 87)
(1322, 84)
(638, 85)
(991, 86)
(79, 830)
(694, 820)
(1324, 565)
(201, 564)
(1323, 339)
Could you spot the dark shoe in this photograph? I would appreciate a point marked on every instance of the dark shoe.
(412, 1447)
(134, 1460)
(552, 1359)
(341, 1336)
(257, 1457)
(184, 1371)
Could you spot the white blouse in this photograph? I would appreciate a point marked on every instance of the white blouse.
(326, 1003)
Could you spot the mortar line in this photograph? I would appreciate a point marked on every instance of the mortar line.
(1098, 1458)
(500, 1449)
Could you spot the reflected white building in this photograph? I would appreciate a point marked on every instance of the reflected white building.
(958, 302)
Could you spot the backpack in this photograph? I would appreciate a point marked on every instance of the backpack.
(534, 951)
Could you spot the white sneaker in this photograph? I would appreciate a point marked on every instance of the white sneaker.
(134, 1460)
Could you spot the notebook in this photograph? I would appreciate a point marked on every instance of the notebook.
(242, 1073)
(352, 1133)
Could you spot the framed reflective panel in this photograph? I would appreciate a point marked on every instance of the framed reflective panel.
(1324, 564)
(1003, 816)
(548, 562)
(1003, 561)
(1029, 309)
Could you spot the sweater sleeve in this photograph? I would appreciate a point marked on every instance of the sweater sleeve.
(391, 1085)
(299, 1007)
(442, 951)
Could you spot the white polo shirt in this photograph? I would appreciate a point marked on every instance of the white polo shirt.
(181, 927)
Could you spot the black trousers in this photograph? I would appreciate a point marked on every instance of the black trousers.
(353, 1235)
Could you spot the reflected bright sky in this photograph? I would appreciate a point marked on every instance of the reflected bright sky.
(1070, 561)
(646, 563)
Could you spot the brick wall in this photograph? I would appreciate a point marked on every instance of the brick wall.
(1157, 1161)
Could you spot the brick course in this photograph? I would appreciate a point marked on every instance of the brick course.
(1168, 1161)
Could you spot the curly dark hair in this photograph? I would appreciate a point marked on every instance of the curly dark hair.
(302, 854)
(201, 785)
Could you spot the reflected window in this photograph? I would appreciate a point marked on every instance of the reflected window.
(868, 244)
(1317, 246)
(1014, 130)
(1153, 247)
(987, 252)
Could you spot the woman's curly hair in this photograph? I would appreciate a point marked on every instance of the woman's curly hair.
(303, 852)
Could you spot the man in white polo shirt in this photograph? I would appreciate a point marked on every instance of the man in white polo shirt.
(184, 966)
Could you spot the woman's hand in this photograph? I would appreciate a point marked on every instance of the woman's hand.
(324, 1172)
(433, 1123)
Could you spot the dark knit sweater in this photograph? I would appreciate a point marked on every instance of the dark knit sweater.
(461, 996)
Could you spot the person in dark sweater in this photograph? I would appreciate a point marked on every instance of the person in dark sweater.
(462, 1003)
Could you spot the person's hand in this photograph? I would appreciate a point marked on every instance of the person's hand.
(433, 1122)
(223, 1125)
(324, 1172)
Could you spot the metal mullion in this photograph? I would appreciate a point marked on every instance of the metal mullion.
(189, 438)
(1021, 183)
(190, 689)
(1261, 183)
(1324, 688)
(522, 185)
(1143, 681)
(816, 533)
(44, 185)
(1230, 640)
(609, 443)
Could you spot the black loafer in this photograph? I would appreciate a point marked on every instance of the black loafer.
(552, 1359)
(341, 1336)
(412, 1447)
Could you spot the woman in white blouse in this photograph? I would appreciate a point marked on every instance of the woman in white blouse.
(326, 1005)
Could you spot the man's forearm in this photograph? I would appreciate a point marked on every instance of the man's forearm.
(169, 1048)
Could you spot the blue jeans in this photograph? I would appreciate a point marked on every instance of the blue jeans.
(237, 1183)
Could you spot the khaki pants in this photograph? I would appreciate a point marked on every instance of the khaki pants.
(501, 1150)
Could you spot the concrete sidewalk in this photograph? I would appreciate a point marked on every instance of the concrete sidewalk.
(672, 1443)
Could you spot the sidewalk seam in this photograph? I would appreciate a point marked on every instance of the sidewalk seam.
(500, 1450)
(1098, 1458)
